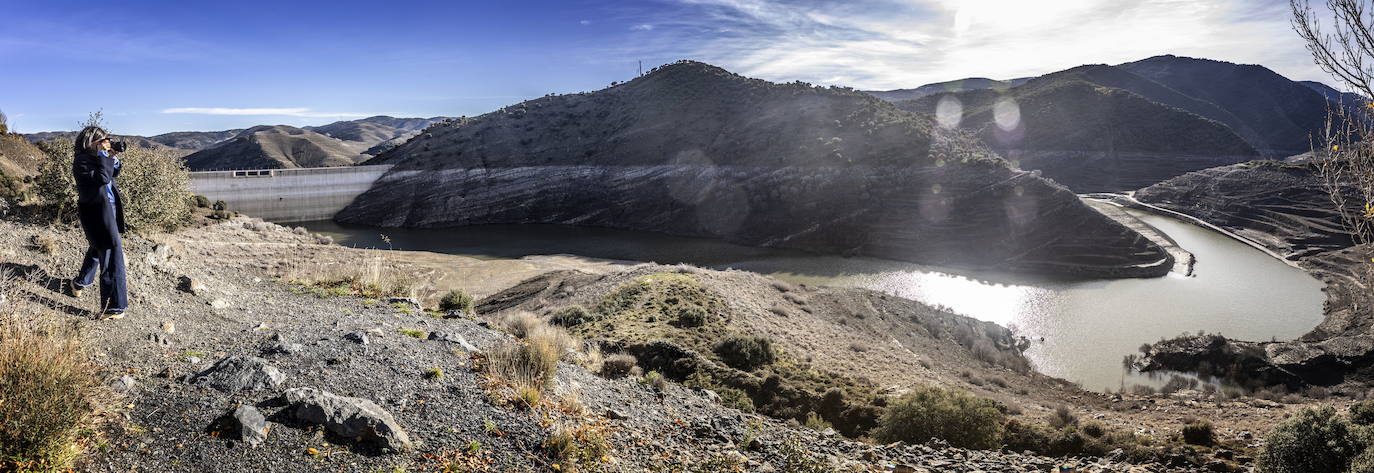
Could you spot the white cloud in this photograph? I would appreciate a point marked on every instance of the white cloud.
(642, 27)
(883, 44)
(585, 22)
(287, 112)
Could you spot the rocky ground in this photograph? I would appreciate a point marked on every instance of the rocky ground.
(215, 293)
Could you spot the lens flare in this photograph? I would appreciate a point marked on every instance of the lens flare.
(1006, 113)
(949, 112)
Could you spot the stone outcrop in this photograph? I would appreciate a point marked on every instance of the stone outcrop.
(246, 424)
(348, 417)
(240, 373)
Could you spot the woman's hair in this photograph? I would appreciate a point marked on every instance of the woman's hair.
(89, 136)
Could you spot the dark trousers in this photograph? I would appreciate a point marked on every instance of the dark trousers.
(106, 258)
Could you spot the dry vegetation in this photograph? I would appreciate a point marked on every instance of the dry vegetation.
(49, 391)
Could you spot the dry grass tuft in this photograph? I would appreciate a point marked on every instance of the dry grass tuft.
(374, 278)
(618, 365)
(44, 242)
(521, 323)
(49, 391)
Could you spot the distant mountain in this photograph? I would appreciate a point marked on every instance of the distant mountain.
(1274, 114)
(1344, 98)
(194, 140)
(352, 141)
(1096, 128)
(692, 149)
(972, 83)
(133, 140)
(274, 147)
(365, 134)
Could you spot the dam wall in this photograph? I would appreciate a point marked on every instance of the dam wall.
(287, 195)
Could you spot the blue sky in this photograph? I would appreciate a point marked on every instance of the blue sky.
(155, 67)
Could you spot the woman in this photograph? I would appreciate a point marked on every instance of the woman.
(101, 211)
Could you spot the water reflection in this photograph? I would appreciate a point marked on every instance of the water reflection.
(1080, 330)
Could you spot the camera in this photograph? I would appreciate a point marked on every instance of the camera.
(119, 146)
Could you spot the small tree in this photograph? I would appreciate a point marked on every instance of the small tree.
(4, 123)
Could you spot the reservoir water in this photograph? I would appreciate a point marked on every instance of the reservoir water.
(1080, 330)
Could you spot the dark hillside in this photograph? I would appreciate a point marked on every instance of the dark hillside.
(1273, 113)
(1098, 128)
(692, 149)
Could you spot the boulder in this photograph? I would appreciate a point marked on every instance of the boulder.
(348, 417)
(123, 384)
(240, 373)
(246, 424)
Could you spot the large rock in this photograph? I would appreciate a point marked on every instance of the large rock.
(348, 417)
(246, 424)
(240, 373)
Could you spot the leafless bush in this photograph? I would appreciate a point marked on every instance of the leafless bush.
(1344, 48)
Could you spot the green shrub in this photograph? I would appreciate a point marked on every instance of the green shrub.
(1313, 439)
(202, 202)
(815, 422)
(952, 415)
(793, 457)
(1094, 429)
(55, 185)
(572, 316)
(155, 183)
(655, 379)
(746, 352)
(735, 399)
(1362, 463)
(1362, 413)
(581, 446)
(691, 316)
(1198, 433)
(458, 299)
(220, 205)
(50, 393)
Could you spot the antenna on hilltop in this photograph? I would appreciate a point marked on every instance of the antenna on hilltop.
(641, 67)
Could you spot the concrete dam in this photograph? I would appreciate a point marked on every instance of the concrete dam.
(287, 195)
